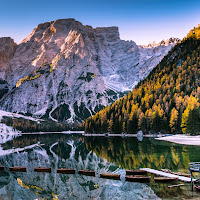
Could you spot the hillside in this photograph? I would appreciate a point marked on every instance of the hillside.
(167, 100)
(66, 71)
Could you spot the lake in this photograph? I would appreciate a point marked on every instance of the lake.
(102, 154)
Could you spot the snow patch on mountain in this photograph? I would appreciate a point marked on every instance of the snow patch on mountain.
(7, 133)
(16, 115)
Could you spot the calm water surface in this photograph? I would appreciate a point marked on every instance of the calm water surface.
(102, 154)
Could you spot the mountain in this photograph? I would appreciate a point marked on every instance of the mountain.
(66, 71)
(167, 100)
(170, 41)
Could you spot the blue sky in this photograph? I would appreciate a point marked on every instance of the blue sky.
(142, 21)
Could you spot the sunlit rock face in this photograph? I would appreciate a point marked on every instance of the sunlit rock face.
(7, 50)
(66, 67)
(62, 152)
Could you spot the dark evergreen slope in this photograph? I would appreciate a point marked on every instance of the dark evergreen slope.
(167, 100)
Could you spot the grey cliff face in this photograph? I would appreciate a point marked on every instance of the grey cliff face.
(7, 50)
(69, 71)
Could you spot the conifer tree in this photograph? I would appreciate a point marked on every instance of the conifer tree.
(174, 120)
(191, 117)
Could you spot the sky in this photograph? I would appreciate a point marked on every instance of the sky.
(142, 21)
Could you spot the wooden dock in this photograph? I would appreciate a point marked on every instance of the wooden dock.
(160, 173)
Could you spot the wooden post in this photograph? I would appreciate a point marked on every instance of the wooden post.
(191, 180)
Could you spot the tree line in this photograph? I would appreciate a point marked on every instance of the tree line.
(166, 101)
(29, 126)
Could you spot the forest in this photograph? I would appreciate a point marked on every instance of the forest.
(28, 126)
(167, 101)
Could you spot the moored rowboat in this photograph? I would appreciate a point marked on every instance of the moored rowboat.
(17, 169)
(87, 172)
(165, 179)
(43, 169)
(138, 178)
(197, 188)
(135, 172)
(110, 176)
(175, 173)
(181, 174)
(66, 171)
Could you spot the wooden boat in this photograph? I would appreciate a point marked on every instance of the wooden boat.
(197, 188)
(2, 168)
(66, 171)
(87, 172)
(181, 174)
(135, 172)
(17, 169)
(138, 178)
(110, 176)
(43, 169)
(186, 175)
(165, 179)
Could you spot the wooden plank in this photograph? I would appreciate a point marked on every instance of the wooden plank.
(17, 169)
(110, 176)
(66, 171)
(164, 179)
(43, 169)
(160, 173)
(181, 174)
(138, 178)
(87, 172)
(135, 172)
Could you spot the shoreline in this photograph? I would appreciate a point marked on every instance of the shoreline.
(178, 139)
(120, 135)
(62, 132)
(93, 134)
(182, 139)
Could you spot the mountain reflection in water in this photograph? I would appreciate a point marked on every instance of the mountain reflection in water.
(113, 154)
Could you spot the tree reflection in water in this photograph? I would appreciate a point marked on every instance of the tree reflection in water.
(129, 153)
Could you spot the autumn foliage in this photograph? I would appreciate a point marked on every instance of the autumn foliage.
(166, 101)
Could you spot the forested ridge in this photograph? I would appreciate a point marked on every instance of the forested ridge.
(166, 101)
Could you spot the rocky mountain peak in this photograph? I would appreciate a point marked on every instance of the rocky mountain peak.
(44, 32)
(170, 41)
(111, 33)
